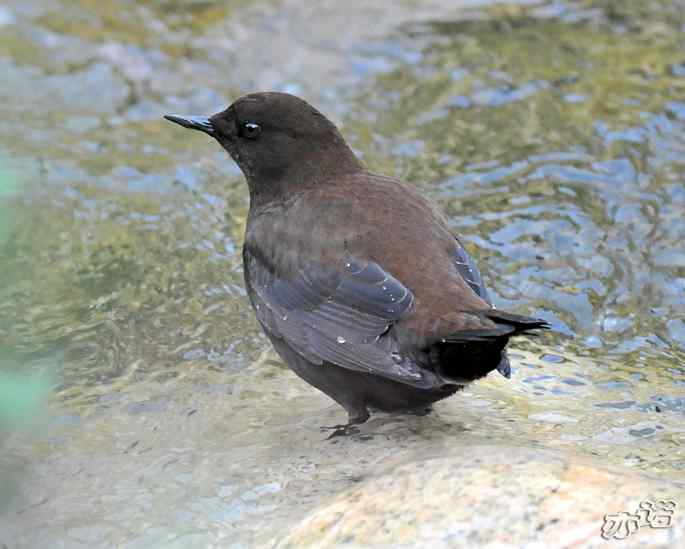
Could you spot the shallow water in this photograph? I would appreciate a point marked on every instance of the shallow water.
(552, 133)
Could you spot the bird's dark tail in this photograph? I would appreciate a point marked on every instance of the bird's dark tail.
(471, 354)
(522, 324)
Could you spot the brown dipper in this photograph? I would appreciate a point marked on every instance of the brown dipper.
(354, 276)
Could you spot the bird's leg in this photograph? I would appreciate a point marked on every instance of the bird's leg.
(357, 416)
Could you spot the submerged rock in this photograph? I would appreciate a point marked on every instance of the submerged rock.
(498, 496)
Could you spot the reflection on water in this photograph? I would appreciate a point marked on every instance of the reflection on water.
(550, 132)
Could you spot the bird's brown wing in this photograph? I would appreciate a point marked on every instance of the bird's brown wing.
(339, 314)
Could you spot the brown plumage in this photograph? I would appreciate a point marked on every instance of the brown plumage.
(355, 277)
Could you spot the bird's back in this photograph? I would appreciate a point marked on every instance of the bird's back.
(378, 218)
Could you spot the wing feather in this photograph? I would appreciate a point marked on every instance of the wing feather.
(341, 315)
(469, 272)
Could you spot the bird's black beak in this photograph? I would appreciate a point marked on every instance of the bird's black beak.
(201, 123)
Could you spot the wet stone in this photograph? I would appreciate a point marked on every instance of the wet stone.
(613, 385)
(147, 407)
(67, 419)
(641, 432)
(6, 17)
(664, 404)
(623, 405)
(676, 330)
(552, 417)
(626, 435)
(574, 382)
(543, 498)
(536, 379)
(261, 490)
(88, 534)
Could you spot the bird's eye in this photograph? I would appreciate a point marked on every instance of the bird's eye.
(250, 130)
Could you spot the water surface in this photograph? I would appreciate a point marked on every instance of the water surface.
(552, 134)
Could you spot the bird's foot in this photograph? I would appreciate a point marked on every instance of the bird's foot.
(341, 430)
(356, 417)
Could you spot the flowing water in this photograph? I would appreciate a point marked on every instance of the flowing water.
(552, 134)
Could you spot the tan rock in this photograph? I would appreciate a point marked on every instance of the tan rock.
(492, 496)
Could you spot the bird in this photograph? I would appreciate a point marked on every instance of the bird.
(354, 276)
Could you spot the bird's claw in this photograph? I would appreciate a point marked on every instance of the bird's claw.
(341, 430)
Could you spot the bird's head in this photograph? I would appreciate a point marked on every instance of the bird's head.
(279, 141)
